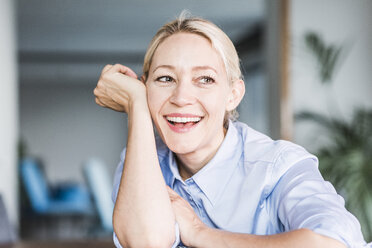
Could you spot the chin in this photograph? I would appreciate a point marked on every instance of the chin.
(177, 143)
(180, 147)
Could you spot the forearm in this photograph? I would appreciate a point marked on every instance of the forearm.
(299, 238)
(143, 214)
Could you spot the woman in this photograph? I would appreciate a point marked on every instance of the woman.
(210, 181)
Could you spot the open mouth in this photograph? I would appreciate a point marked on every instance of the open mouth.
(183, 122)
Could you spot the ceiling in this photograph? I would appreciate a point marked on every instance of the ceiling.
(68, 41)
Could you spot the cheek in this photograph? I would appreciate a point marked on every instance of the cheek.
(215, 105)
(219, 99)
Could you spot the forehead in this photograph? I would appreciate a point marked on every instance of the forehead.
(184, 50)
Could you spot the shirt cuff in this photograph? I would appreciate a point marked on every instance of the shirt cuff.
(116, 241)
(177, 232)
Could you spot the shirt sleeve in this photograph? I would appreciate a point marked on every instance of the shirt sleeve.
(117, 178)
(304, 200)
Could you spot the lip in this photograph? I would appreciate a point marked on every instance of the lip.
(182, 129)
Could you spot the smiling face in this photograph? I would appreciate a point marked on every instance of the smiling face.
(188, 94)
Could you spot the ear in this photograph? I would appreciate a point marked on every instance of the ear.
(236, 94)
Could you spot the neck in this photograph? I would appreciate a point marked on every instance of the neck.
(189, 164)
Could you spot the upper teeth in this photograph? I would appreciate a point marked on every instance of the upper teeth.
(183, 119)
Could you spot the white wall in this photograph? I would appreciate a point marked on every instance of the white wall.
(62, 125)
(8, 110)
(342, 22)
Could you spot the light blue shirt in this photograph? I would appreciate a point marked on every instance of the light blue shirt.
(255, 185)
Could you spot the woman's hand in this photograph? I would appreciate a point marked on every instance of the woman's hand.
(194, 233)
(189, 223)
(119, 89)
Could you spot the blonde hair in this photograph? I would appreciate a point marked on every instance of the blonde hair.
(218, 39)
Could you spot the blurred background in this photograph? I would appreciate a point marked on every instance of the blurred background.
(308, 74)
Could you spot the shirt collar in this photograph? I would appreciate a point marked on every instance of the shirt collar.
(174, 169)
(215, 175)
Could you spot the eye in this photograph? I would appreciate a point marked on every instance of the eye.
(165, 79)
(206, 80)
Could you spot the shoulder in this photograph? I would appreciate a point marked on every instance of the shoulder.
(278, 155)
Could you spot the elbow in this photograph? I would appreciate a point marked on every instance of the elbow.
(144, 239)
(145, 242)
(156, 242)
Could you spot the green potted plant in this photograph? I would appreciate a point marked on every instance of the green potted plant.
(346, 160)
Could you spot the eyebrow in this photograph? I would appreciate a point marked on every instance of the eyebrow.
(195, 68)
(205, 67)
(163, 66)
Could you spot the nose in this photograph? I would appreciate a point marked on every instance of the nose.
(182, 94)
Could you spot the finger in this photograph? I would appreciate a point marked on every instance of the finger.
(99, 91)
(176, 198)
(170, 189)
(172, 192)
(96, 91)
(125, 70)
(106, 68)
(99, 102)
(107, 103)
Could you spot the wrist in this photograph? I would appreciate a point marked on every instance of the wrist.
(139, 115)
(203, 236)
(138, 105)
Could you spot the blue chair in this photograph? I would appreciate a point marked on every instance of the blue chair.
(100, 185)
(67, 199)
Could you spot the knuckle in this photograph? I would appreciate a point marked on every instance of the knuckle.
(98, 93)
(105, 70)
(106, 67)
(100, 83)
(105, 77)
